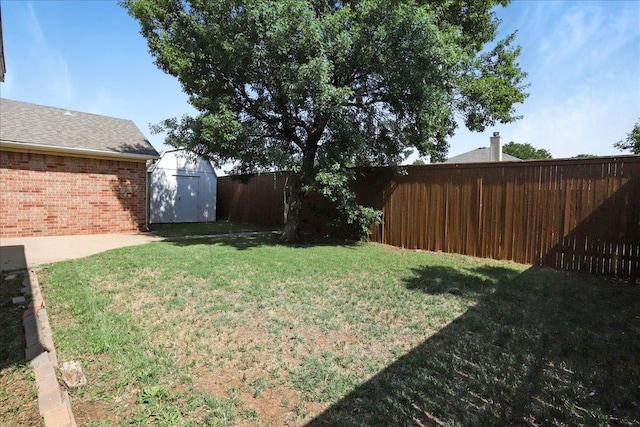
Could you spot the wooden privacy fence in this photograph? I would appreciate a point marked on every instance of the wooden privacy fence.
(577, 214)
(255, 200)
(567, 214)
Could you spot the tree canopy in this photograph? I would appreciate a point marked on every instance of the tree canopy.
(319, 86)
(632, 141)
(525, 151)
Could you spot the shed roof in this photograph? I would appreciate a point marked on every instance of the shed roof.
(57, 128)
(482, 154)
(184, 160)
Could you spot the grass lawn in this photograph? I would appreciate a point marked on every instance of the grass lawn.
(245, 331)
(203, 228)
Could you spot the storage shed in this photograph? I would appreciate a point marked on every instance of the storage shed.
(182, 188)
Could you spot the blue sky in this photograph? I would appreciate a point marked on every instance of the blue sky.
(582, 57)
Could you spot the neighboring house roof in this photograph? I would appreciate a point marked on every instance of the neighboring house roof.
(31, 126)
(482, 154)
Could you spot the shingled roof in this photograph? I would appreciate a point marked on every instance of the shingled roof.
(58, 129)
(482, 154)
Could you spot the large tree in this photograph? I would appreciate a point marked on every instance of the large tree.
(525, 151)
(632, 141)
(319, 86)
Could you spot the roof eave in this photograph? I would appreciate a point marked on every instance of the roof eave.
(3, 65)
(74, 152)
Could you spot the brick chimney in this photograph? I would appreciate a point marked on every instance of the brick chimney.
(496, 147)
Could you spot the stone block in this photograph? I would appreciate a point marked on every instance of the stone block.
(41, 359)
(44, 370)
(49, 401)
(28, 312)
(54, 358)
(47, 343)
(31, 331)
(48, 385)
(72, 374)
(67, 401)
(34, 351)
(57, 416)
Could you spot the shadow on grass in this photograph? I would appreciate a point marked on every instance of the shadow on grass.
(201, 228)
(539, 348)
(12, 339)
(244, 242)
(18, 402)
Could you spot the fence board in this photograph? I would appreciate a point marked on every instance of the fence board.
(576, 214)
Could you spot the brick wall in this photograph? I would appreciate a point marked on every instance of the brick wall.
(49, 195)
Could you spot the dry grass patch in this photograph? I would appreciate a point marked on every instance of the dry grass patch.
(244, 331)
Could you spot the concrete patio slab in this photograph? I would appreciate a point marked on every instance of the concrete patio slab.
(27, 252)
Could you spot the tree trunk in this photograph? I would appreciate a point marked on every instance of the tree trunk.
(294, 194)
(291, 231)
(300, 184)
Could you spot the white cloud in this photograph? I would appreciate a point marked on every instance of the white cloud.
(575, 30)
(37, 35)
(589, 121)
(584, 70)
(49, 71)
(100, 103)
(587, 34)
(61, 82)
(593, 115)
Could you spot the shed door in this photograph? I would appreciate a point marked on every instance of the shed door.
(186, 203)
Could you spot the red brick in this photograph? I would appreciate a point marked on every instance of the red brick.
(45, 195)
